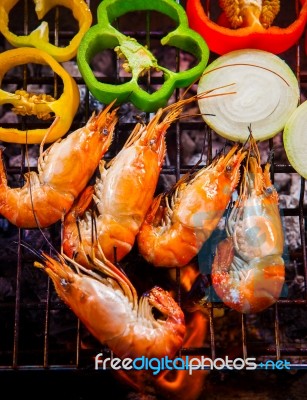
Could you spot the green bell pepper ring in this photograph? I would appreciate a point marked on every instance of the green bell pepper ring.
(39, 38)
(139, 59)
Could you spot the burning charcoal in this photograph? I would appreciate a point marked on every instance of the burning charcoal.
(30, 159)
(6, 288)
(291, 223)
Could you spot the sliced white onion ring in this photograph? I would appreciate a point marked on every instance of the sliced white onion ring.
(295, 139)
(266, 94)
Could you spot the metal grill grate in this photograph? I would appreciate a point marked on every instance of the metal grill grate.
(38, 332)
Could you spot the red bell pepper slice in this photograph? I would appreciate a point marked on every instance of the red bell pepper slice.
(222, 39)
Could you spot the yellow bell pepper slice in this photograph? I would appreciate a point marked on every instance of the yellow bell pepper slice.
(43, 106)
(39, 38)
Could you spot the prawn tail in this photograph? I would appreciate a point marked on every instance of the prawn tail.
(71, 234)
(224, 256)
(247, 287)
(165, 303)
(80, 205)
(152, 213)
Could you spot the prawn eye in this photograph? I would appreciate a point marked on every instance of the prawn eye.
(105, 131)
(269, 190)
(64, 282)
(229, 168)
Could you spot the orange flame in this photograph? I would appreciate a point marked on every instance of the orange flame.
(188, 275)
(180, 384)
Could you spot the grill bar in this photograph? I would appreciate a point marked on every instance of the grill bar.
(16, 356)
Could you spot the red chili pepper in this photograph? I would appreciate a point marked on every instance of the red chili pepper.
(222, 38)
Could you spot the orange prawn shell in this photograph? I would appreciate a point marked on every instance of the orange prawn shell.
(259, 290)
(73, 161)
(176, 250)
(190, 227)
(198, 207)
(211, 196)
(63, 171)
(260, 225)
(135, 190)
(48, 196)
(128, 187)
(149, 343)
(111, 318)
(128, 190)
(77, 294)
(122, 195)
(248, 271)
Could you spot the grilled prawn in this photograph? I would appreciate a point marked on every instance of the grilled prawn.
(178, 223)
(174, 384)
(248, 270)
(122, 194)
(64, 169)
(108, 307)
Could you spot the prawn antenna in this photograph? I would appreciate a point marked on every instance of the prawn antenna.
(271, 156)
(32, 204)
(202, 149)
(27, 246)
(250, 136)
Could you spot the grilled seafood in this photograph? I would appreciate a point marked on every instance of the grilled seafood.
(63, 171)
(108, 307)
(248, 269)
(178, 223)
(123, 193)
(175, 384)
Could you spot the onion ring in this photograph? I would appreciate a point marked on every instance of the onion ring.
(295, 139)
(267, 92)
